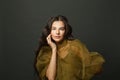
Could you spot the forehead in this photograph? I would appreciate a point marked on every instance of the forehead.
(58, 24)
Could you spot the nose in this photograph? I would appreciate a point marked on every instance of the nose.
(57, 32)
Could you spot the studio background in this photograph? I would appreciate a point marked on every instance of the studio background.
(95, 22)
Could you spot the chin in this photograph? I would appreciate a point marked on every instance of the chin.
(57, 40)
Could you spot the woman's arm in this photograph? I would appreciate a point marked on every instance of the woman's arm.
(51, 70)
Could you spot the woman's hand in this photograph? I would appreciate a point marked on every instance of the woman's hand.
(50, 42)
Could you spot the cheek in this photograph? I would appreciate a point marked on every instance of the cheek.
(63, 33)
(52, 32)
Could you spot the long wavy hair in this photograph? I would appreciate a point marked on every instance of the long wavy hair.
(47, 29)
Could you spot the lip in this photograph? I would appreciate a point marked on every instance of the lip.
(57, 37)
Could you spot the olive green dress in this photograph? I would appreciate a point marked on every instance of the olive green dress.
(74, 61)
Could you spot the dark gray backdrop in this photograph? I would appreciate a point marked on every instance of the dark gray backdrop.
(95, 22)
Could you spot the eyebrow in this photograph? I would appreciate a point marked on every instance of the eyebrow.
(60, 27)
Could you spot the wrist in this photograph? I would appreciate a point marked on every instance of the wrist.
(54, 49)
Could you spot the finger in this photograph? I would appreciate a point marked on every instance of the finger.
(49, 38)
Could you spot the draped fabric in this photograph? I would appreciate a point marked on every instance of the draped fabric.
(74, 61)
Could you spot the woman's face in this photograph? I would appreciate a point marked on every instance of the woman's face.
(58, 31)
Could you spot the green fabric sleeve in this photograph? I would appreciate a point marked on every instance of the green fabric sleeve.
(92, 61)
(96, 64)
(43, 59)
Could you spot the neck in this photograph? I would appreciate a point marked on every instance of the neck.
(61, 43)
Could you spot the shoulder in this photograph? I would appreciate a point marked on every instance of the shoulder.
(77, 45)
(45, 50)
(75, 42)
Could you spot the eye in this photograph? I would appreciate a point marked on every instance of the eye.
(53, 28)
(62, 28)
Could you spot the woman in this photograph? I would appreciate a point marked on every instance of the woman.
(61, 57)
